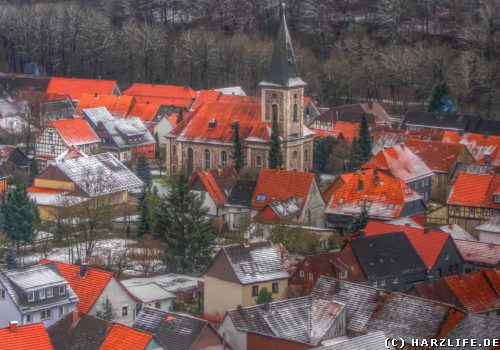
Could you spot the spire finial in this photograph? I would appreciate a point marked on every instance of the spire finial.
(283, 6)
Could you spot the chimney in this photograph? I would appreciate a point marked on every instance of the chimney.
(13, 326)
(426, 229)
(74, 316)
(84, 267)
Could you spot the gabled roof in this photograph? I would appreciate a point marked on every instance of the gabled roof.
(475, 190)
(165, 95)
(457, 232)
(474, 327)
(472, 168)
(71, 153)
(437, 120)
(120, 129)
(173, 330)
(277, 211)
(397, 315)
(383, 195)
(305, 319)
(479, 253)
(242, 193)
(254, 262)
(401, 162)
(14, 155)
(89, 287)
(282, 70)
(379, 259)
(484, 148)
(205, 96)
(75, 131)
(438, 156)
(275, 184)
(348, 130)
(145, 111)
(125, 338)
(221, 115)
(352, 113)
(32, 337)
(119, 106)
(427, 244)
(492, 225)
(74, 87)
(218, 182)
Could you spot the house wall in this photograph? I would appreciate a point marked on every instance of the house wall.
(163, 127)
(314, 208)
(36, 316)
(259, 342)
(207, 338)
(221, 296)
(249, 300)
(423, 187)
(165, 305)
(439, 185)
(233, 337)
(310, 112)
(449, 257)
(208, 202)
(118, 297)
(469, 217)
(234, 214)
(404, 282)
(54, 184)
(488, 237)
(413, 208)
(153, 345)
(9, 311)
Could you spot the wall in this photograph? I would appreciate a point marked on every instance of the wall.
(234, 338)
(249, 300)
(423, 187)
(36, 316)
(260, 342)
(163, 127)
(9, 312)
(488, 237)
(165, 305)
(118, 297)
(207, 338)
(314, 208)
(55, 184)
(454, 258)
(221, 296)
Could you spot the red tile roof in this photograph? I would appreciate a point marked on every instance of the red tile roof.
(479, 253)
(477, 291)
(277, 185)
(74, 88)
(212, 188)
(428, 245)
(205, 96)
(75, 131)
(218, 182)
(36, 189)
(401, 162)
(325, 133)
(475, 190)
(483, 148)
(385, 195)
(166, 95)
(125, 338)
(196, 126)
(144, 111)
(29, 337)
(438, 156)
(348, 130)
(87, 288)
(117, 105)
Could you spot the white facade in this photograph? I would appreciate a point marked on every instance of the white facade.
(233, 337)
(162, 128)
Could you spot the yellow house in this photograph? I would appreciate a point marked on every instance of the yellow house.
(237, 275)
(99, 180)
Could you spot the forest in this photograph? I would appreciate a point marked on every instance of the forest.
(347, 50)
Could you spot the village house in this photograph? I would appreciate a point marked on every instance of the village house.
(239, 272)
(474, 292)
(81, 331)
(17, 337)
(288, 196)
(214, 187)
(485, 148)
(440, 158)
(374, 112)
(239, 204)
(35, 294)
(484, 329)
(60, 135)
(389, 137)
(118, 105)
(470, 168)
(300, 323)
(94, 287)
(382, 196)
(126, 138)
(76, 87)
(202, 139)
(400, 162)
(54, 107)
(100, 180)
(179, 331)
(489, 232)
(478, 255)
(152, 295)
(436, 248)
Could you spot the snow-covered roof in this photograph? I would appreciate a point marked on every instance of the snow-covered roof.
(490, 226)
(232, 90)
(150, 292)
(121, 129)
(457, 232)
(35, 277)
(171, 282)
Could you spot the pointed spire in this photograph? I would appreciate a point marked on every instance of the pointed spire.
(283, 70)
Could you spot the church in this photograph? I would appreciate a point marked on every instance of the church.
(205, 139)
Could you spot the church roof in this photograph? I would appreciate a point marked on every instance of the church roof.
(282, 71)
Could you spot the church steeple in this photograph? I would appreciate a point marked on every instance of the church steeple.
(282, 71)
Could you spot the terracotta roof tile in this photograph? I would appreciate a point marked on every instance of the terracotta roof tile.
(75, 131)
(275, 185)
(125, 338)
(438, 156)
(205, 96)
(144, 111)
(29, 337)
(117, 105)
(325, 133)
(475, 190)
(348, 130)
(428, 245)
(74, 88)
(484, 149)
(218, 182)
(165, 95)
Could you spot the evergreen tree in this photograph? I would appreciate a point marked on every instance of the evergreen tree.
(355, 159)
(143, 172)
(360, 222)
(322, 150)
(34, 168)
(9, 258)
(264, 296)
(365, 140)
(237, 156)
(184, 226)
(441, 100)
(106, 311)
(275, 157)
(142, 209)
(20, 215)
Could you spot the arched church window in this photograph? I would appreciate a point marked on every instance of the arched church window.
(259, 161)
(207, 159)
(223, 158)
(295, 113)
(294, 155)
(190, 160)
(275, 111)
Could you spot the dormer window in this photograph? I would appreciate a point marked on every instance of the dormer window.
(391, 206)
(343, 274)
(261, 197)
(41, 294)
(62, 289)
(341, 200)
(496, 198)
(361, 202)
(50, 292)
(31, 296)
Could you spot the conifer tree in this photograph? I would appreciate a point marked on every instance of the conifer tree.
(9, 258)
(360, 222)
(185, 228)
(33, 168)
(237, 155)
(441, 100)
(355, 156)
(142, 209)
(365, 140)
(265, 296)
(143, 172)
(106, 311)
(275, 157)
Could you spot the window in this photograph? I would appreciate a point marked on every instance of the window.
(2, 294)
(423, 183)
(124, 310)
(382, 282)
(46, 315)
(28, 318)
(294, 155)
(223, 158)
(455, 268)
(190, 161)
(450, 269)
(207, 159)
(261, 197)
(395, 280)
(52, 149)
(416, 185)
(306, 155)
(174, 150)
(158, 305)
(41, 294)
(51, 136)
(496, 199)
(31, 296)
(439, 273)
(301, 273)
(295, 113)
(255, 291)
(259, 161)
(62, 290)
(61, 311)
(275, 287)
(275, 111)
(446, 256)
(50, 292)
(343, 274)
(341, 200)
(311, 276)
(412, 204)
(374, 283)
